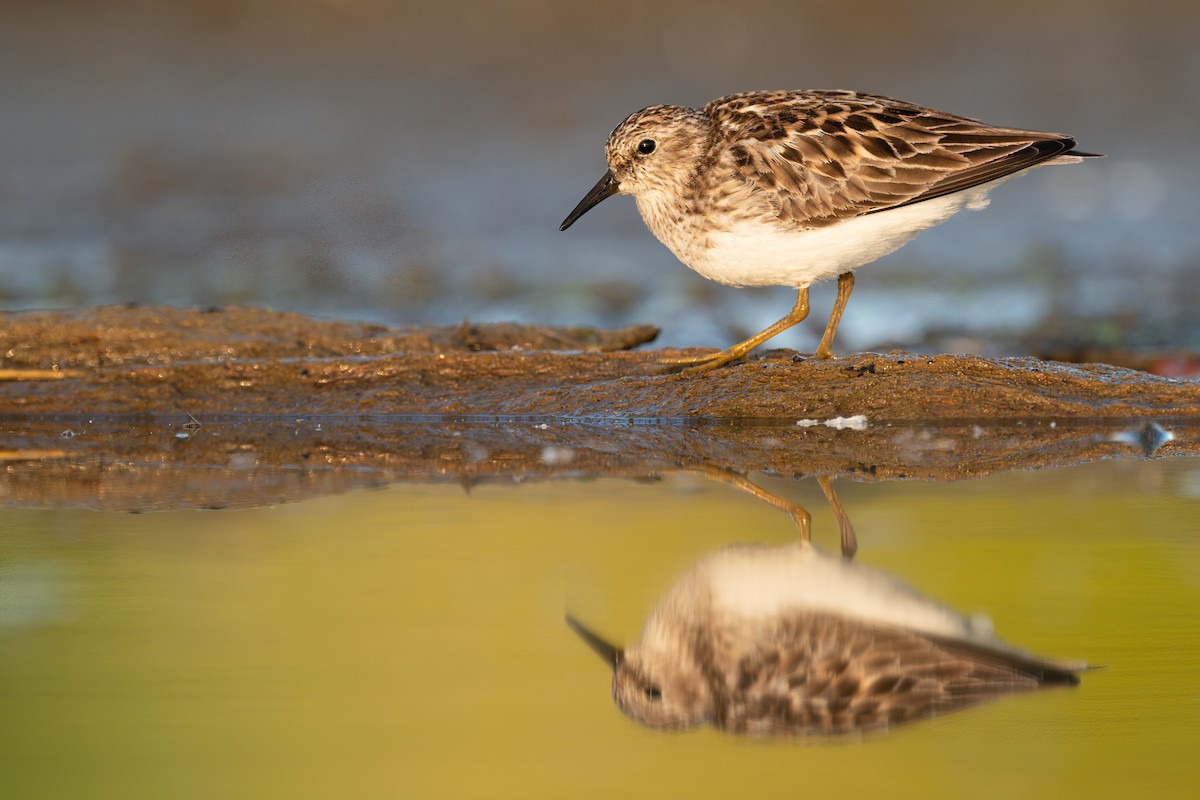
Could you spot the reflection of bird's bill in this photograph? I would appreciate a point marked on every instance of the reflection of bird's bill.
(611, 654)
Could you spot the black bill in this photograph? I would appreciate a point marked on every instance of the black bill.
(613, 656)
(606, 187)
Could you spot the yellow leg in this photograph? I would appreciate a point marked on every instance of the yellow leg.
(845, 287)
(713, 360)
(848, 538)
(797, 512)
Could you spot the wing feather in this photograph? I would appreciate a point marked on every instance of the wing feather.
(820, 157)
(815, 673)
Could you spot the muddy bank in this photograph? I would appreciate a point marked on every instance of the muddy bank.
(160, 361)
(167, 463)
(140, 409)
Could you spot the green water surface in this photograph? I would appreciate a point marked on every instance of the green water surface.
(409, 641)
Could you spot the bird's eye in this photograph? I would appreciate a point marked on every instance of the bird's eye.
(653, 693)
(646, 146)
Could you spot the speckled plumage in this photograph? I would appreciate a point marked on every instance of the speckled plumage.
(785, 188)
(789, 641)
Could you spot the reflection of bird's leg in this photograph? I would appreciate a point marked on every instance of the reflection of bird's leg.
(713, 360)
(849, 540)
(845, 287)
(798, 513)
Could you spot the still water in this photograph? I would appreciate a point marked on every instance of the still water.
(409, 640)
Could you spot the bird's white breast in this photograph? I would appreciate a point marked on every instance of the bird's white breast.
(754, 581)
(776, 253)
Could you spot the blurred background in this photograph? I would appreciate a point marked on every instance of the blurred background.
(410, 162)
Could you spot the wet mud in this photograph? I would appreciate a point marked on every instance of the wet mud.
(175, 462)
(153, 361)
(151, 408)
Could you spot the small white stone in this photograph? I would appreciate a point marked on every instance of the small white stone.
(856, 423)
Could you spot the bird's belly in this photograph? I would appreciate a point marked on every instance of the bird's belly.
(756, 253)
(753, 582)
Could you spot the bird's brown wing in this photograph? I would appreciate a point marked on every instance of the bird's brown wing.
(820, 674)
(821, 157)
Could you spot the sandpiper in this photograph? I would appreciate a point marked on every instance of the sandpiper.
(792, 641)
(786, 188)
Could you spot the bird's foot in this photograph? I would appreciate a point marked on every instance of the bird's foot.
(698, 365)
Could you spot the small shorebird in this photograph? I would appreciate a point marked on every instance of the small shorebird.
(787, 188)
(792, 641)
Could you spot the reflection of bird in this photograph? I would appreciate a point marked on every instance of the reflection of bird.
(789, 640)
(789, 188)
